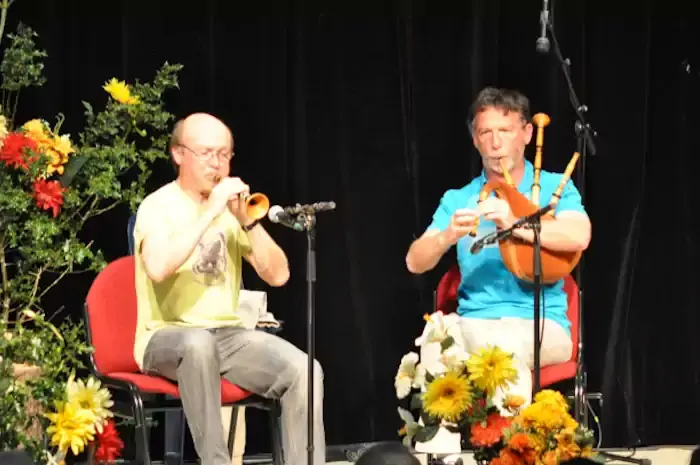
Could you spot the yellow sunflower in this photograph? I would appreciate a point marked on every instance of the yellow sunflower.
(448, 397)
(71, 427)
(491, 368)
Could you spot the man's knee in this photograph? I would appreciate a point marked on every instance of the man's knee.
(300, 367)
(200, 346)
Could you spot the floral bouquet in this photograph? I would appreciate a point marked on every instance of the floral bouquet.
(83, 420)
(545, 433)
(460, 403)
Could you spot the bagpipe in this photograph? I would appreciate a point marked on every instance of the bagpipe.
(518, 254)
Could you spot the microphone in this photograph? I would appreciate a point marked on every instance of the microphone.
(542, 41)
(277, 214)
(479, 245)
(310, 208)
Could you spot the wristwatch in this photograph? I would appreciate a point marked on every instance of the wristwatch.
(251, 225)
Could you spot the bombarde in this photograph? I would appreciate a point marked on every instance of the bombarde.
(518, 254)
(256, 204)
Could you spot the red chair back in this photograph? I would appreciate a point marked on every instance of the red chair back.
(446, 300)
(111, 317)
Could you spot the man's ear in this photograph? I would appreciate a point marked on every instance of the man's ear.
(528, 133)
(176, 156)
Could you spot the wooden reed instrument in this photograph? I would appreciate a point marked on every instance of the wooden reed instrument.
(516, 253)
(257, 204)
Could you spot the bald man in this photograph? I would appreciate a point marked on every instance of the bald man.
(191, 237)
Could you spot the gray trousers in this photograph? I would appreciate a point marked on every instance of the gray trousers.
(256, 361)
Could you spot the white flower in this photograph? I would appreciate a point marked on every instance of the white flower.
(438, 327)
(405, 375)
(411, 426)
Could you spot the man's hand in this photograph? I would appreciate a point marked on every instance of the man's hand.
(461, 223)
(498, 211)
(224, 194)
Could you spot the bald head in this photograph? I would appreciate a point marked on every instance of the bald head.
(205, 129)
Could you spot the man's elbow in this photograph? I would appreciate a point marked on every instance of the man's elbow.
(280, 278)
(156, 274)
(411, 264)
(584, 240)
(155, 270)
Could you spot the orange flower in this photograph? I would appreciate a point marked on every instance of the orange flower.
(508, 457)
(550, 458)
(14, 152)
(49, 195)
(487, 436)
(519, 442)
(513, 402)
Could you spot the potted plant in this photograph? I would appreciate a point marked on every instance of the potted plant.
(52, 184)
(454, 394)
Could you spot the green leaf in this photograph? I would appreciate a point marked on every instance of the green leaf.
(452, 428)
(426, 433)
(427, 418)
(416, 401)
(71, 169)
(447, 343)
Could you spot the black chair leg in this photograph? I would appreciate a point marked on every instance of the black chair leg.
(232, 429)
(276, 432)
(183, 422)
(172, 445)
(143, 452)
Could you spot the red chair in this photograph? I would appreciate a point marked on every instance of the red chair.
(446, 302)
(110, 314)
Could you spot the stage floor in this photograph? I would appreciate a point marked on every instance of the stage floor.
(660, 455)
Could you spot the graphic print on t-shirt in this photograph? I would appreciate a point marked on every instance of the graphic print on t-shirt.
(210, 263)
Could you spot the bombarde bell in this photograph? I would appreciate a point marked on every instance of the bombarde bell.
(256, 205)
(517, 254)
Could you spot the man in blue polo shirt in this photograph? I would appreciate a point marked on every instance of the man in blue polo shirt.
(496, 307)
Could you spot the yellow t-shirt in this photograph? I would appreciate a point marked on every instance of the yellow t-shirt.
(203, 292)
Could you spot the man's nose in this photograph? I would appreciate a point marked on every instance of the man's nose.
(215, 161)
(496, 142)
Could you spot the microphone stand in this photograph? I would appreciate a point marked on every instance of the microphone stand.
(307, 220)
(584, 142)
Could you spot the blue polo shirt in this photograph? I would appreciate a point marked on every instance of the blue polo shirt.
(488, 289)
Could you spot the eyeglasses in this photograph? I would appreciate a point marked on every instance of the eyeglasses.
(207, 154)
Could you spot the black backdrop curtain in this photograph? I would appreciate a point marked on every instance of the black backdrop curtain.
(370, 112)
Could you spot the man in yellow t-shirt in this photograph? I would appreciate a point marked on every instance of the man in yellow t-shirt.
(191, 237)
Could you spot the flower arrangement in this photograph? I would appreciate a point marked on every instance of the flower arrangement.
(52, 184)
(82, 420)
(460, 403)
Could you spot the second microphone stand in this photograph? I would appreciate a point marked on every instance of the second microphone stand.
(307, 220)
(584, 144)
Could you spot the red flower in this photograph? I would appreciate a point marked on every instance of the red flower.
(109, 445)
(14, 151)
(49, 195)
(487, 436)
